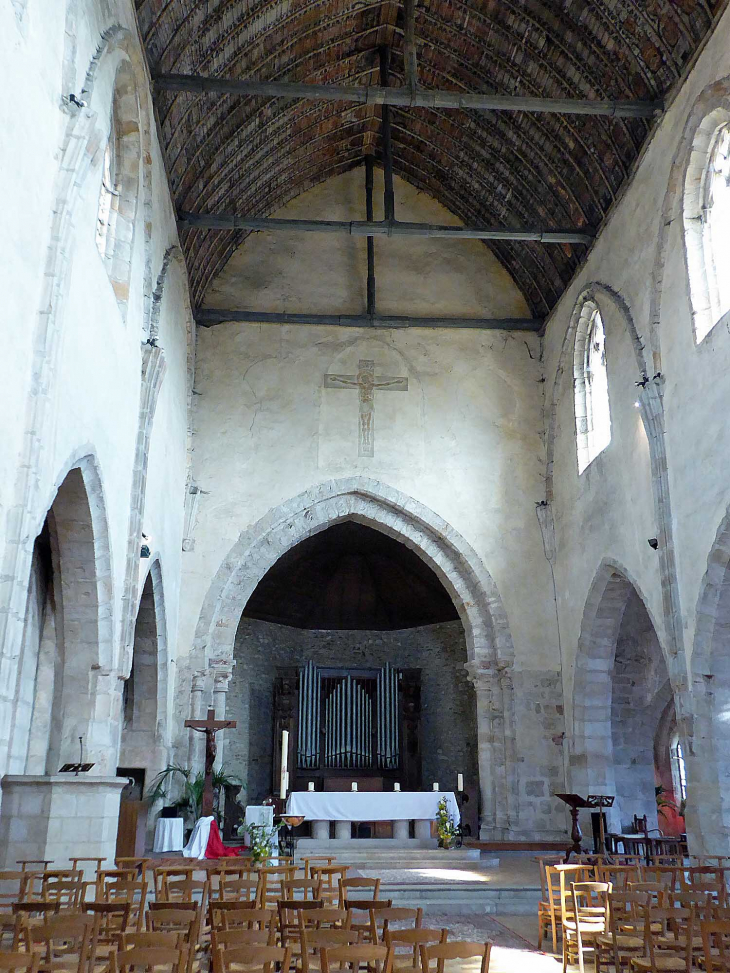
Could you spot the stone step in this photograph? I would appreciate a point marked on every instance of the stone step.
(464, 899)
(377, 851)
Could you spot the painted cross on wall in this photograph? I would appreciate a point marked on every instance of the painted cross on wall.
(367, 383)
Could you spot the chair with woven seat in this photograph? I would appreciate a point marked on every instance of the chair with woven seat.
(411, 940)
(312, 941)
(380, 920)
(624, 936)
(377, 958)
(271, 882)
(292, 913)
(225, 939)
(715, 936)
(111, 921)
(445, 952)
(327, 917)
(253, 958)
(66, 943)
(357, 908)
(329, 877)
(557, 879)
(12, 889)
(135, 893)
(16, 962)
(670, 950)
(249, 919)
(240, 889)
(301, 888)
(317, 861)
(157, 958)
(584, 921)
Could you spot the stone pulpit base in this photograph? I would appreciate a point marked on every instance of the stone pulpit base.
(58, 817)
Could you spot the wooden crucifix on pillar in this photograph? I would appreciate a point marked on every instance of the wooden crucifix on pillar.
(210, 726)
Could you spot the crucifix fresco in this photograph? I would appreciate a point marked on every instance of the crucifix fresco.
(367, 383)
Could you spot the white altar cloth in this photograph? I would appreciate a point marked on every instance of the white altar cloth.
(370, 805)
(169, 835)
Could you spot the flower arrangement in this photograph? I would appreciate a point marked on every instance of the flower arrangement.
(262, 838)
(445, 826)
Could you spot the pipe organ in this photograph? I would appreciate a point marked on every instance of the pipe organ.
(350, 724)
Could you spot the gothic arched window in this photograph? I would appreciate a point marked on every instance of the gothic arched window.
(707, 223)
(119, 186)
(592, 414)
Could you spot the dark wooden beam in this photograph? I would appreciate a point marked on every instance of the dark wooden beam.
(403, 97)
(371, 242)
(209, 317)
(409, 44)
(369, 228)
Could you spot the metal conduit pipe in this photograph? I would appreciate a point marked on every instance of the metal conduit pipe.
(371, 241)
(204, 221)
(209, 317)
(405, 97)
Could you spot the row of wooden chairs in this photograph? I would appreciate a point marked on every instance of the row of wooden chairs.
(556, 880)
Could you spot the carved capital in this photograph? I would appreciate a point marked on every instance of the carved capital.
(222, 670)
(198, 681)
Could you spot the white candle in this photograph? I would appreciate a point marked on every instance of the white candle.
(284, 763)
(460, 782)
(354, 786)
(436, 786)
(286, 783)
(396, 787)
(310, 785)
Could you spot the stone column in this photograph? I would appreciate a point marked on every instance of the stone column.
(196, 741)
(400, 832)
(222, 672)
(492, 683)
(343, 830)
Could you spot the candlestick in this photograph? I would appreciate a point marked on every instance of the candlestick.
(436, 786)
(284, 763)
(354, 785)
(310, 785)
(460, 782)
(396, 786)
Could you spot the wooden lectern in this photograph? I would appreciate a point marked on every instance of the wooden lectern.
(575, 802)
(132, 829)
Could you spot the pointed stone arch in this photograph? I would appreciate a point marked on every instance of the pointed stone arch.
(489, 643)
(591, 758)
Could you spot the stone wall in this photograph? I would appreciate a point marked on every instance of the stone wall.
(448, 707)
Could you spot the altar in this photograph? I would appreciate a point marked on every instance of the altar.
(346, 807)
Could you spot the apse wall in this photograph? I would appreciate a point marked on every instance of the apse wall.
(448, 704)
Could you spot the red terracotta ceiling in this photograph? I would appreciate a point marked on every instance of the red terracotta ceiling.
(252, 155)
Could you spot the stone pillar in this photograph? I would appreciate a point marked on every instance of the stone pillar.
(400, 832)
(423, 830)
(58, 817)
(196, 741)
(321, 830)
(343, 830)
(222, 672)
(492, 682)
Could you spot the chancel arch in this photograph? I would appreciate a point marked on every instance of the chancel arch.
(489, 651)
(622, 701)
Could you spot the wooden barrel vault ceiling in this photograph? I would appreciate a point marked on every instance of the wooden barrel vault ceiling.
(512, 169)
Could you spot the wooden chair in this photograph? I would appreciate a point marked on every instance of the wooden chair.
(292, 912)
(618, 876)
(190, 908)
(133, 892)
(455, 951)
(25, 862)
(263, 958)
(329, 877)
(152, 958)
(347, 885)
(326, 917)
(250, 919)
(312, 941)
(585, 921)
(667, 875)
(383, 917)
(65, 943)
(320, 861)
(113, 876)
(217, 907)
(12, 889)
(222, 940)
(15, 961)
(556, 887)
(304, 888)
(670, 950)
(357, 906)
(624, 937)
(715, 935)
(151, 940)
(271, 882)
(378, 958)
(240, 889)
(412, 940)
(111, 922)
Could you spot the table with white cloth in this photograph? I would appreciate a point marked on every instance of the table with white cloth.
(344, 807)
(262, 814)
(169, 834)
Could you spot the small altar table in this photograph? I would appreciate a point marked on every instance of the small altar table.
(344, 807)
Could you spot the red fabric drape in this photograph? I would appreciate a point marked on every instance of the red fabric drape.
(215, 847)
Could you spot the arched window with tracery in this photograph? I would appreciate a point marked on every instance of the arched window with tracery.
(119, 186)
(592, 412)
(707, 223)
